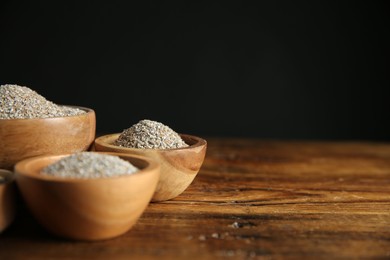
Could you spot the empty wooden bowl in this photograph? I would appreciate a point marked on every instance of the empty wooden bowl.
(87, 209)
(24, 138)
(7, 198)
(178, 166)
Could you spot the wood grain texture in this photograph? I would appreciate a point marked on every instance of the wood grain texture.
(24, 138)
(86, 209)
(179, 166)
(252, 200)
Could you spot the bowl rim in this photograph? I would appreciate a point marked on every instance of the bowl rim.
(199, 143)
(151, 166)
(86, 109)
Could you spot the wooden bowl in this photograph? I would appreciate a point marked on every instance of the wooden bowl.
(7, 198)
(87, 209)
(178, 166)
(24, 138)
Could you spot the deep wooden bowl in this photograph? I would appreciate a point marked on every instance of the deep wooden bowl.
(87, 209)
(24, 138)
(178, 166)
(7, 198)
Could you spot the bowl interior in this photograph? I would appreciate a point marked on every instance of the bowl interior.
(32, 167)
(88, 111)
(108, 140)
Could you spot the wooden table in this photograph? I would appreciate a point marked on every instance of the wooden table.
(251, 199)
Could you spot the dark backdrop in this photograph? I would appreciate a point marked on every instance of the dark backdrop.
(270, 70)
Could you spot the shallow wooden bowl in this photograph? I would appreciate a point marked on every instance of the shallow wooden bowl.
(7, 198)
(178, 166)
(87, 209)
(24, 138)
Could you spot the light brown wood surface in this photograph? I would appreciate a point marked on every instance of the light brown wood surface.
(179, 166)
(24, 138)
(86, 209)
(251, 200)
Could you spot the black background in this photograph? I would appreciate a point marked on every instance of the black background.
(279, 70)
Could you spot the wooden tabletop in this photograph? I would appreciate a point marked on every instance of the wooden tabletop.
(252, 199)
